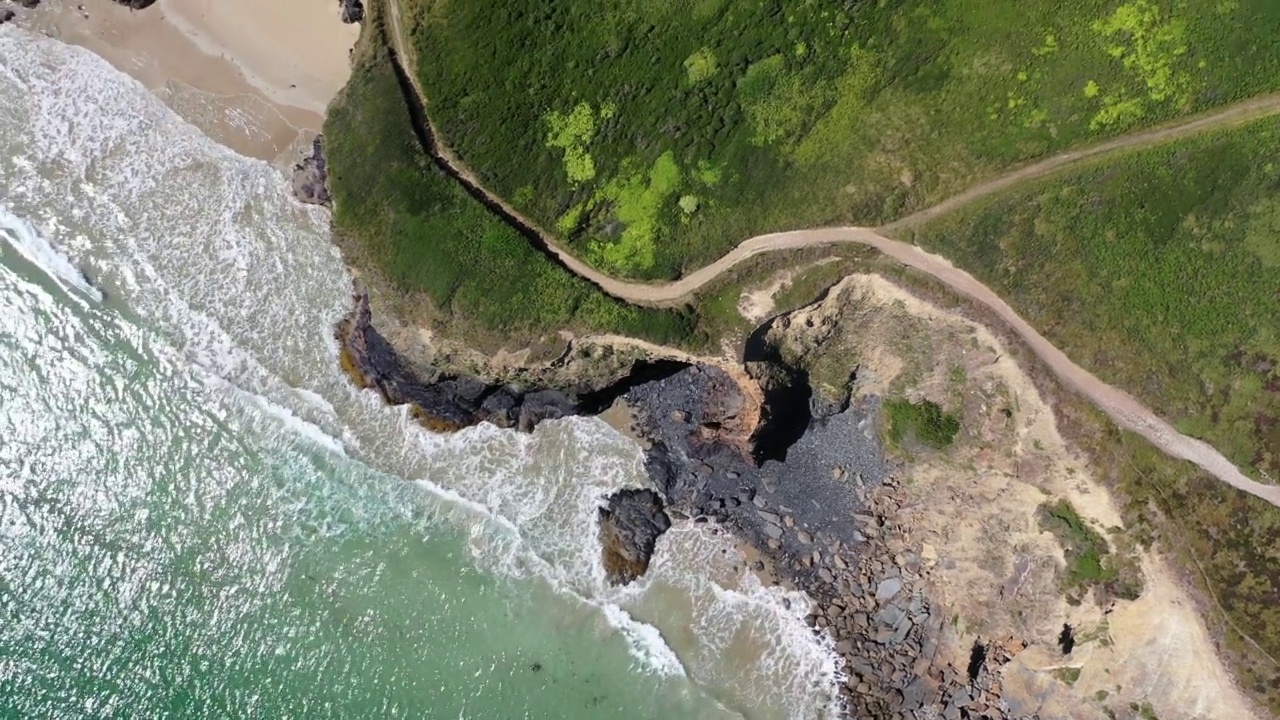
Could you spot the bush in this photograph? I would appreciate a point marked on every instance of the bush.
(924, 421)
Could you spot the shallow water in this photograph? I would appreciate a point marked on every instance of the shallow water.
(201, 516)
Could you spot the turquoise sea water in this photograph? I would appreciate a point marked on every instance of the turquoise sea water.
(200, 516)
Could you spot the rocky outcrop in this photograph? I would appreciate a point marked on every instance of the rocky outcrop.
(630, 524)
(311, 176)
(823, 514)
(352, 11)
(440, 402)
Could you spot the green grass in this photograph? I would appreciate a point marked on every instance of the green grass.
(1159, 272)
(776, 114)
(924, 422)
(1090, 561)
(1068, 675)
(421, 232)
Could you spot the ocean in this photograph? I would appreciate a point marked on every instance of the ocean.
(201, 517)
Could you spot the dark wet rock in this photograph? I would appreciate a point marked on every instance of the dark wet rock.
(630, 525)
(29, 4)
(137, 4)
(6, 15)
(352, 11)
(443, 402)
(311, 176)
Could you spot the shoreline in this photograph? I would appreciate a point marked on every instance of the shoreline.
(823, 520)
(254, 77)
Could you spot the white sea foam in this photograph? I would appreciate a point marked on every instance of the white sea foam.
(31, 245)
(646, 642)
(296, 424)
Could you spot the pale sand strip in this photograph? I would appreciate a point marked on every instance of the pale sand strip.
(253, 74)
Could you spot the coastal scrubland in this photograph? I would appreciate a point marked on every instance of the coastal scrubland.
(1159, 272)
(653, 136)
(1222, 540)
(403, 220)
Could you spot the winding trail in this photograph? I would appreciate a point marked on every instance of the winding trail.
(1122, 407)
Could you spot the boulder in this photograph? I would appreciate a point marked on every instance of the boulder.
(352, 11)
(630, 524)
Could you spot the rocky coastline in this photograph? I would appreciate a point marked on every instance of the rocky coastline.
(822, 510)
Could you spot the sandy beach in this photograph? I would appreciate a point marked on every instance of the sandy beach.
(256, 76)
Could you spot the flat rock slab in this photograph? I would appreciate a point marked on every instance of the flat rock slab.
(887, 589)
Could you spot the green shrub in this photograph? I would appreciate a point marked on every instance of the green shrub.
(923, 421)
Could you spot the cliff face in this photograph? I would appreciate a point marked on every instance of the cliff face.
(927, 570)
(439, 401)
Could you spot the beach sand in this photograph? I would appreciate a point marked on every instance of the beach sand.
(254, 75)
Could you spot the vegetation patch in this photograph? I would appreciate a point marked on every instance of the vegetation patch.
(810, 112)
(700, 66)
(1068, 675)
(1090, 562)
(924, 422)
(413, 226)
(1157, 272)
(572, 133)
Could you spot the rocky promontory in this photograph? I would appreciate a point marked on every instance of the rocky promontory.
(703, 430)
(630, 524)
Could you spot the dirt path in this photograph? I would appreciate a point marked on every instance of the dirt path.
(1123, 408)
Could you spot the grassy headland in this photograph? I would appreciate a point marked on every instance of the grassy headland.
(653, 136)
(432, 243)
(1159, 272)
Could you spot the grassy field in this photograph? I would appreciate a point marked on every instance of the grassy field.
(1159, 272)
(653, 136)
(434, 244)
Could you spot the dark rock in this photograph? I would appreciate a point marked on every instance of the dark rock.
(6, 15)
(629, 528)
(352, 11)
(311, 176)
(451, 402)
(136, 4)
(28, 4)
